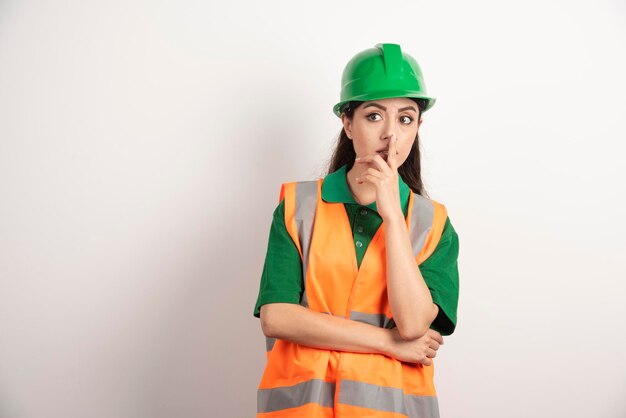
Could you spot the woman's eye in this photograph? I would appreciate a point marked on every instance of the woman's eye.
(406, 119)
(371, 116)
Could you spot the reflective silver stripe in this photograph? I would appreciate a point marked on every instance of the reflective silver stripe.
(306, 202)
(314, 390)
(384, 398)
(269, 343)
(303, 300)
(378, 320)
(422, 215)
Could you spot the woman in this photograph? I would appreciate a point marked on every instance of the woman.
(360, 280)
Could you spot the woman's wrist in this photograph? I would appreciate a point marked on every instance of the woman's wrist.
(386, 342)
(397, 217)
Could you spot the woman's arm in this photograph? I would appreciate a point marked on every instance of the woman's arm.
(293, 322)
(410, 300)
(409, 297)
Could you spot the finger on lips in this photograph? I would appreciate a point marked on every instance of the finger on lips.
(393, 151)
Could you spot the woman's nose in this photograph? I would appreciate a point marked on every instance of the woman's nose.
(390, 130)
(388, 137)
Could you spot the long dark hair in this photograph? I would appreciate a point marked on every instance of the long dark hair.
(410, 170)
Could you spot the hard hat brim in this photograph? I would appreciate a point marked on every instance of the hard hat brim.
(430, 101)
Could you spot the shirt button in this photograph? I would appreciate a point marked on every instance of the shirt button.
(363, 212)
(359, 244)
(359, 228)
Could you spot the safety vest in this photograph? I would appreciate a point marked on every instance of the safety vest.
(302, 381)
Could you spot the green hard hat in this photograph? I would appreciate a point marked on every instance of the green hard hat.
(382, 72)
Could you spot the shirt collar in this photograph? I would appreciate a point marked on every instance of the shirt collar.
(335, 189)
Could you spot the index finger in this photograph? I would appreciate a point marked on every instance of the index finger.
(392, 152)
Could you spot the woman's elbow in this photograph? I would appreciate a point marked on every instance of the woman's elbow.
(409, 334)
(412, 331)
(273, 318)
(419, 330)
(266, 323)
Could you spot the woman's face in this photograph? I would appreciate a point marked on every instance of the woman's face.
(375, 122)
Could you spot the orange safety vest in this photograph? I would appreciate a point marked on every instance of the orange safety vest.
(302, 381)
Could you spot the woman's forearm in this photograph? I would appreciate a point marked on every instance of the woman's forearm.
(292, 322)
(409, 297)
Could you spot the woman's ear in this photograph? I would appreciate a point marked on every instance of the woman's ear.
(347, 125)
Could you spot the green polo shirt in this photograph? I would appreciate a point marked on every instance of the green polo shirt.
(282, 279)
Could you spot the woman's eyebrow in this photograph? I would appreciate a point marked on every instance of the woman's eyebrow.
(384, 108)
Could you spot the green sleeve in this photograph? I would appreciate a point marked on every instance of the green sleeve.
(441, 274)
(281, 280)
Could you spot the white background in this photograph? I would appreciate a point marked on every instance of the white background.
(142, 148)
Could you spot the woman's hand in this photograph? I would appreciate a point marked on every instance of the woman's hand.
(420, 350)
(384, 177)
